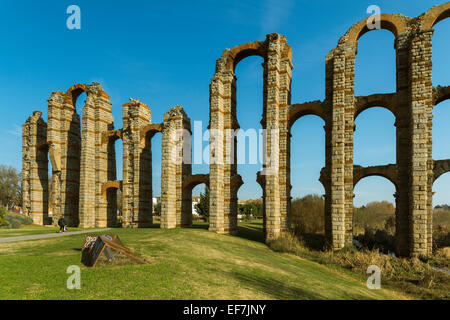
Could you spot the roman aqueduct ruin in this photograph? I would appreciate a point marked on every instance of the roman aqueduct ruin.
(84, 164)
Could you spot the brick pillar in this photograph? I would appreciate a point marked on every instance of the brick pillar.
(55, 106)
(277, 82)
(282, 72)
(350, 102)
(97, 119)
(105, 165)
(35, 168)
(334, 173)
(176, 167)
(220, 110)
(421, 91)
(402, 124)
(136, 192)
(67, 124)
(87, 208)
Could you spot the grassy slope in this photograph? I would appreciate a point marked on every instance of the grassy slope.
(186, 264)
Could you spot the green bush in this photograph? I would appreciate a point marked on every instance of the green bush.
(13, 221)
(2, 215)
(307, 215)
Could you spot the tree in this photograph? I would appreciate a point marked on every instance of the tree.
(202, 206)
(308, 215)
(248, 210)
(374, 215)
(157, 209)
(10, 186)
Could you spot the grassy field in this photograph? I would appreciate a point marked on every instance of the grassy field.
(187, 263)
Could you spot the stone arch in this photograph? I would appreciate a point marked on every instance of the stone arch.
(111, 185)
(389, 172)
(296, 111)
(74, 92)
(236, 54)
(435, 15)
(387, 101)
(109, 194)
(394, 23)
(189, 183)
(440, 167)
(194, 180)
(441, 94)
(111, 136)
(277, 66)
(150, 129)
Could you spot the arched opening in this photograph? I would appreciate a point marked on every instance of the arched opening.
(375, 64)
(441, 131)
(110, 192)
(76, 97)
(307, 154)
(249, 110)
(79, 102)
(43, 171)
(374, 220)
(441, 63)
(441, 212)
(374, 140)
(155, 159)
(200, 204)
(114, 194)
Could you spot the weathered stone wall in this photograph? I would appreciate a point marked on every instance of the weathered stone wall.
(176, 168)
(35, 168)
(137, 168)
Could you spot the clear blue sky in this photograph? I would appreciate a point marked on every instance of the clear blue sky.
(164, 54)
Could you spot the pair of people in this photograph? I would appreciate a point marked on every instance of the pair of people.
(62, 225)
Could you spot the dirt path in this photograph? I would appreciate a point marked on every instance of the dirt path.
(48, 235)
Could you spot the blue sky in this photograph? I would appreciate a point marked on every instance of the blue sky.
(164, 54)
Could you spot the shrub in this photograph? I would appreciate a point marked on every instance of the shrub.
(13, 221)
(2, 215)
(288, 243)
(308, 215)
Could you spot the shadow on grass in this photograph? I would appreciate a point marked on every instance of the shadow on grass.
(251, 231)
(274, 288)
(199, 225)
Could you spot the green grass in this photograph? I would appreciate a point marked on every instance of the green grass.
(189, 263)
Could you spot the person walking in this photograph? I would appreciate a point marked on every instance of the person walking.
(62, 225)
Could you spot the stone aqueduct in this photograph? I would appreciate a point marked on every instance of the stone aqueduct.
(84, 165)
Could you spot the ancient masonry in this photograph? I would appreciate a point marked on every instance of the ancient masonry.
(84, 166)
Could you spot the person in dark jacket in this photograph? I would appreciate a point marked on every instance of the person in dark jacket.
(62, 225)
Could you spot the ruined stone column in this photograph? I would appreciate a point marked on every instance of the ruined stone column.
(137, 183)
(97, 119)
(176, 167)
(279, 68)
(274, 137)
(35, 168)
(350, 102)
(421, 91)
(220, 94)
(402, 124)
(334, 173)
(65, 132)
